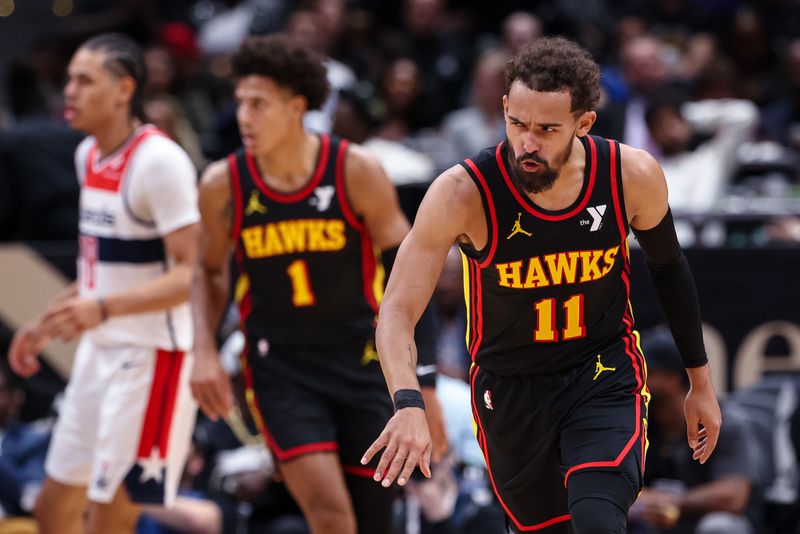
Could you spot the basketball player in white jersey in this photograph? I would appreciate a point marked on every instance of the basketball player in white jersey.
(126, 420)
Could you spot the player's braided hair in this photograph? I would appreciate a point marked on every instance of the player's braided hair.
(555, 64)
(287, 62)
(123, 58)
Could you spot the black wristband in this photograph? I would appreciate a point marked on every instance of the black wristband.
(408, 398)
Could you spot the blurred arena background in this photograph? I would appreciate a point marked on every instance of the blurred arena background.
(711, 87)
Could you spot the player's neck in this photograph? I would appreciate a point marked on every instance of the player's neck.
(114, 133)
(291, 163)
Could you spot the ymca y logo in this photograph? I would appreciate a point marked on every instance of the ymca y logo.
(597, 213)
(322, 197)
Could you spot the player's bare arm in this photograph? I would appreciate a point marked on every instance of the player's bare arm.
(645, 191)
(209, 290)
(374, 199)
(419, 263)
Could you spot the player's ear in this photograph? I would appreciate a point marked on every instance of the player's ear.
(127, 88)
(585, 122)
(298, 104)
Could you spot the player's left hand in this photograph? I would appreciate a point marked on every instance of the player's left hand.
(408, 443)
(701, 408)
(69, 318)
(435, 418)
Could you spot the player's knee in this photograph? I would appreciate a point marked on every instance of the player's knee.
(105, 518)
(597, 516)
(330, 513)
(599, 502)
(54, 509)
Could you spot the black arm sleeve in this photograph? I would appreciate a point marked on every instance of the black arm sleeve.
(424, 334)
(675, 288)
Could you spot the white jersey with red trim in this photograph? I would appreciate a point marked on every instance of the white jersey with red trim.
(129, 201)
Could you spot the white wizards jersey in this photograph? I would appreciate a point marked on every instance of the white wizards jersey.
(129, 201)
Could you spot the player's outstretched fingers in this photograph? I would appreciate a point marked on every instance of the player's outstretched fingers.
(425, 461)
(384, 463)
(411, 463)
(710, 442)
(395, 465)
(377, 445)
(692, 430)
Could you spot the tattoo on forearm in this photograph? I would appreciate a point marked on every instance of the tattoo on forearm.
(411, 364)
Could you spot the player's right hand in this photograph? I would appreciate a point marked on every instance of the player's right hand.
(408, 443)
(23, 355)
(211, 385)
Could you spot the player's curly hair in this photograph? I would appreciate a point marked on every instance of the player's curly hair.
(287, 62)
(555, 64)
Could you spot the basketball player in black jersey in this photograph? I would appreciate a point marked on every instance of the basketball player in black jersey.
(303, 214)
(558, 378)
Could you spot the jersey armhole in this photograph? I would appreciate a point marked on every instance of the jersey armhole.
(483, 256)
(341, 189)
(617, 192)
(236, 193)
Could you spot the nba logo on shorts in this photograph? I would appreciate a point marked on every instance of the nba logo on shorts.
(263, 347)
(487, 400)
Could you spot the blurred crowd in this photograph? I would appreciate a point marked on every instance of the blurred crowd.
(711, 88)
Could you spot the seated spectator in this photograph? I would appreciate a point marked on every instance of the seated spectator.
(23, 448)
(681, 496)
(782, 118)
(698, 142)
(469, 130)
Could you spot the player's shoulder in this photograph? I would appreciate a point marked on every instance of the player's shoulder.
(160, 149)
(216, 177)
(455, 188)
(639, 167)
(359, 160)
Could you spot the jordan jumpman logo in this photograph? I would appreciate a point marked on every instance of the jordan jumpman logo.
(599, 368)
(254, 204)
(517, 229)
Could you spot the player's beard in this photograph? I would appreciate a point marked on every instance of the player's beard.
(545, 177)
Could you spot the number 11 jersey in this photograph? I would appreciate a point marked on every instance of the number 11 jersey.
(550, 288)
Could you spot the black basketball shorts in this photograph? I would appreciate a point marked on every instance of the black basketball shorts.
(306, 401)
(536, 431)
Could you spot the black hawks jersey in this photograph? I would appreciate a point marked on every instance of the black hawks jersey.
(550, 288)
(307, 258)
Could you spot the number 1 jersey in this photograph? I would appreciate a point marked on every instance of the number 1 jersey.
(306, 263)
(550, 288)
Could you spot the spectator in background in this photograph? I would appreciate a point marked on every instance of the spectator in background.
(520, 29)
(164, 111)
(471, 129)
(433, 42)
(697, 143)
(357, 118)
(38, 186)
(749, 44)
(782, 118)
(644, 72)
(23, 448)
(682, 496)
(310, 28)
(402, 92)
